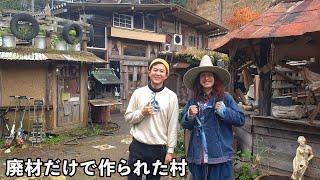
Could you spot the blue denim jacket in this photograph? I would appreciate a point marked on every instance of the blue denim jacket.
(212, 136)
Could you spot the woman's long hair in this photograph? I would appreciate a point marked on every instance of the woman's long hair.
(217, 89)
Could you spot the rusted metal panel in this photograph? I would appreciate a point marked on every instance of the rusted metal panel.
(284, 19)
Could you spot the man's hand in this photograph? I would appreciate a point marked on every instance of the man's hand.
(193, 110)
(147, 110)
(168, 158)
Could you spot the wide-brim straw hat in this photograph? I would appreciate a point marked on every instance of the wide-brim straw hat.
(205, 66)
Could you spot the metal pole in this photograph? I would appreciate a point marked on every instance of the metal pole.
(220, 11)
(32, 6)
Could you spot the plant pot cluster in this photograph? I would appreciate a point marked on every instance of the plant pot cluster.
(25, 27)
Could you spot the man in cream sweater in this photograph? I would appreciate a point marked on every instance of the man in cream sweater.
(153, 113)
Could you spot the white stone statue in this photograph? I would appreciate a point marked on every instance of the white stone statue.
(300, 162)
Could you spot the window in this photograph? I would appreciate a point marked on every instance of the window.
(134, 50)
(138, 20)
(123, 20)
(149, 22)
(99, 37)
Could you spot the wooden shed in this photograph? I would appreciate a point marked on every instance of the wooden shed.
(58, 78)
(287, 32)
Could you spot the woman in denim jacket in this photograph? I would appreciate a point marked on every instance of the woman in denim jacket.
(210, 115)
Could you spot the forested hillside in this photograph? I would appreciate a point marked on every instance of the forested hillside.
(209, 8)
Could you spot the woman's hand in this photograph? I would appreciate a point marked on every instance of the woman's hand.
(220, 107)
(193, 110)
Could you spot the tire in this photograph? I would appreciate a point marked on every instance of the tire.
(32, 31)
(70, 39)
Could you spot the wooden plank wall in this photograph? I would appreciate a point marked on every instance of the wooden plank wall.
(244, 135)
(277, 140)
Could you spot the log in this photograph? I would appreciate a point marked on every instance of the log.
(288, 112)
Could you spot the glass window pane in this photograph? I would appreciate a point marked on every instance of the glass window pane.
(149, 22)
(138, 20)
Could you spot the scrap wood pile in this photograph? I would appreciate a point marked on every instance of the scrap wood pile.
(295, 89)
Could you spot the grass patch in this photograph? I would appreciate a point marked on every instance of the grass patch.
(97, 130)
(54, 139)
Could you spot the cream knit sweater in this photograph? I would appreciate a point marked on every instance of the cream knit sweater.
(160, 128)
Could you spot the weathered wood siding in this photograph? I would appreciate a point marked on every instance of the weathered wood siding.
(244, 135)
(276, 141)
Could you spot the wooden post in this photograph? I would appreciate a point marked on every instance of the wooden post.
(232, 67)
(108, 116)
(265, 79)
(48, 96)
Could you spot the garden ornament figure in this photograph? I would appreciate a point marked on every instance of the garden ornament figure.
(300, 162)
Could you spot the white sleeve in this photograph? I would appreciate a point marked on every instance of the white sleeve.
(133, 114)
(173, 125)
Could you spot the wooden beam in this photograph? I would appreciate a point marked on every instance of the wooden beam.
(265, 79)
(232, 67)
(255, 57)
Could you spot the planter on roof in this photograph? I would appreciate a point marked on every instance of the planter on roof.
(58, 43)
(40, 42)
(61, 46)
(8, 40)
(24, 26)
(74, 47)
(72, 33)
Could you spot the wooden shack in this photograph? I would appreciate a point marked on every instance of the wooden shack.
(288, 32)
(58, 78)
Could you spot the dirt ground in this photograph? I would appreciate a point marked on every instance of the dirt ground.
(84, 151)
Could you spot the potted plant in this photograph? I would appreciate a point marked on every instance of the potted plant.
(58, 43)
(76, 46)
(8, 40)
(40, 40)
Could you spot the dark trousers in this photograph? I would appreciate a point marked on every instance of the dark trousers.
(222, 171)
(145, 153)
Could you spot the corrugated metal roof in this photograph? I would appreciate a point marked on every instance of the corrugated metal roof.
(75, 56)
(284, 19)
(106, 76)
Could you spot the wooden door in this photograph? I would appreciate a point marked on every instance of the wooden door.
(68, 95)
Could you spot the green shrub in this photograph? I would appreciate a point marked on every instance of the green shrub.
(248, 166)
